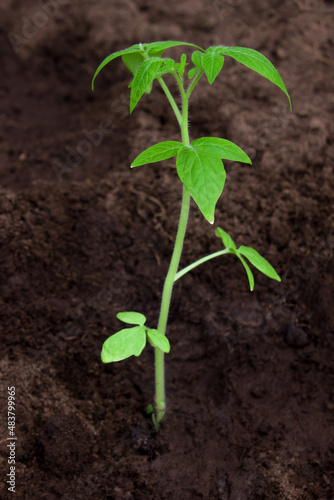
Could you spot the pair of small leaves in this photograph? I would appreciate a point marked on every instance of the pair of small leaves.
(199, 167)
(131, 341)
(212, 61)
(252, 255)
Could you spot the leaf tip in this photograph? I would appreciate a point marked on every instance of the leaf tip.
(93, 82)
(104, 357)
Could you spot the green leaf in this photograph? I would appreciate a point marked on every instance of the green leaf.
(108, 59)
(212, 63)
(154, 47)
(257, 62)
(150, 409)
(143, 78)
(183, 63)
(123, 344)
(133, 318)
(226, 150)
(196, 58)
(203, 174)
(168, 66)
(157, 339)
(248, 271)
(133, 60)
(157, 53)
(193, 72)
(259, 262)
(226, 238)
(147, 91)
(158, 152)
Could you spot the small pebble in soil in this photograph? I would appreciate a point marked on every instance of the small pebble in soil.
(121, 495)
(222, 487)
(258, 392)
(142, 440)
(296, 336)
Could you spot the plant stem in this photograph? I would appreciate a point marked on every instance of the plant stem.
(171, 100)
(199, 262)
(193, 83)
(160, 399)
(160, 403)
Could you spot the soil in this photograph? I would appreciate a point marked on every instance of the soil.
(250, 376)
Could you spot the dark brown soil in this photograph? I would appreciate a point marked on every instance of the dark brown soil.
(250, 375)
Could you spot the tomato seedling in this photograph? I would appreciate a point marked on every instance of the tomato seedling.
(201, 170)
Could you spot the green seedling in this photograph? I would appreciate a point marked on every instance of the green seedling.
(201, 170)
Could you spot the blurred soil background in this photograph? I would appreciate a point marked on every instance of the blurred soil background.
(250, 376)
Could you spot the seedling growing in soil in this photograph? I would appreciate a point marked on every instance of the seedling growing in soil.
(201, 170)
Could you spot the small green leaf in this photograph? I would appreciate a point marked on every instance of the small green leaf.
(196, 58)
(203, 174)
(259, 262)
(143, 78)
(248, 271)
(108, 59)
(212, 63)
(132, 318)
(150, 409)
(193, 72)
(257, 62)
(226, 238)
(183, 63)
(157, 339)
(123, 344)
(168, 66)
(158, 152)
(226, 150)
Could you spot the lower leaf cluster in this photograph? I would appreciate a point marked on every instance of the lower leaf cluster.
(131, 341)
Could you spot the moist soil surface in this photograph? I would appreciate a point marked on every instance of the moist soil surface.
(250, 374)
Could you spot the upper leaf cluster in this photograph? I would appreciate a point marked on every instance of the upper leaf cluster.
(145, 62)
(198, 164)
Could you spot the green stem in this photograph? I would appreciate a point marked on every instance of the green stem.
(160, 398)
(160, 402)
(199, 262)
(193, 83)
(171, 100)
(180, 84)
